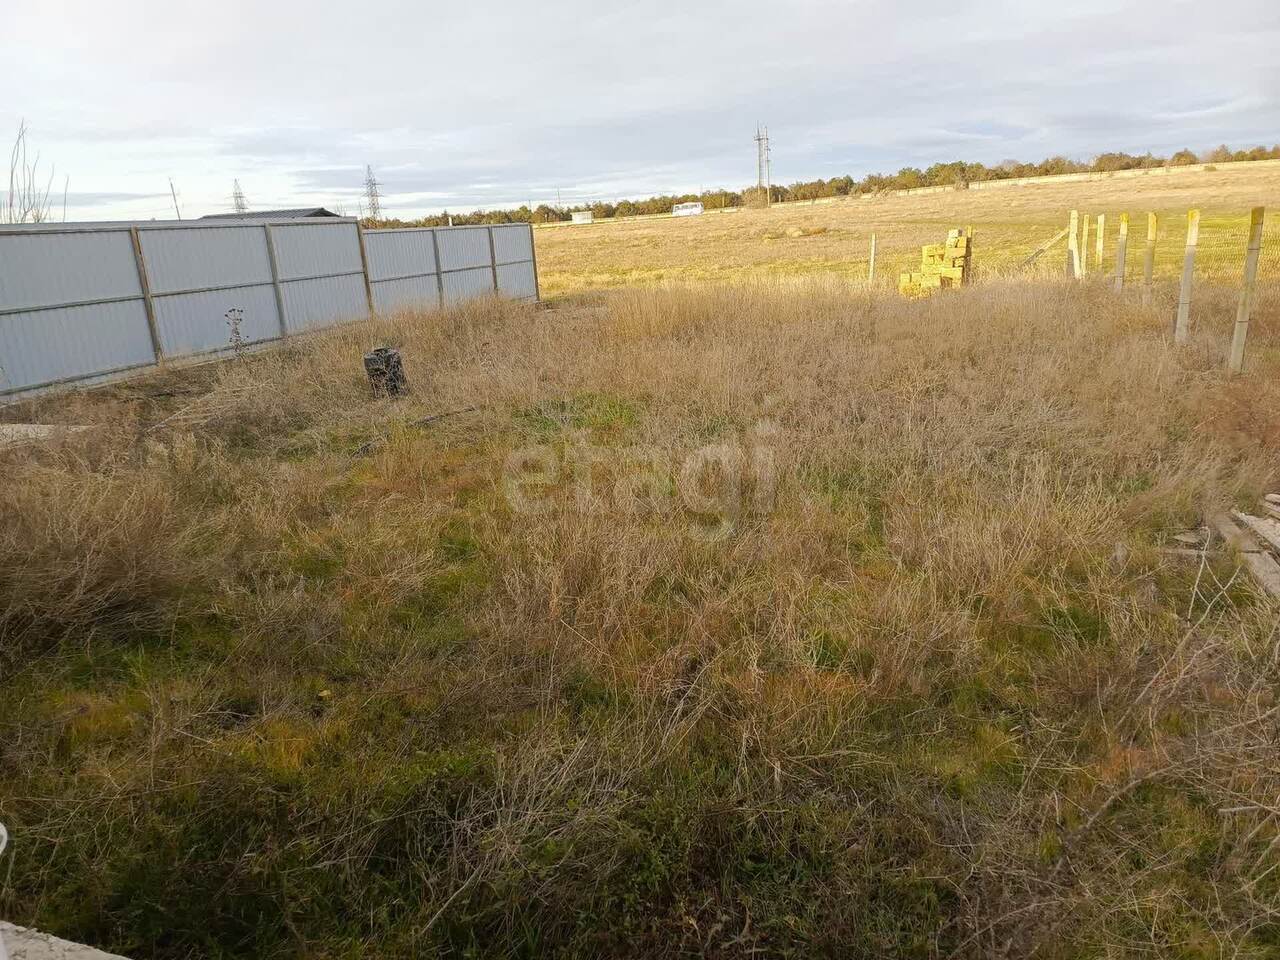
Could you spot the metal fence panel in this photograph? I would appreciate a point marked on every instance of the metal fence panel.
(392, 295)
(399, 253)
(49, 269)
(513, 243)
(68, 343)
(311, 304)
(517, 280)
(467, 284)
(75, 307)
(197, 322)
(464, 247)
(315, 250)
(202, 257)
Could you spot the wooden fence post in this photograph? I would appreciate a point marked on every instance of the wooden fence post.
(967, 277)
(1100, 241)
(1073, 246)
(493, 259)
(1084, 245)
(364, 267)
(1182, 323)
(275, 279)
(1235, 361)
(435, 252)
(871, 268)
(148, 304)
(1122, 250)
(1149, 258)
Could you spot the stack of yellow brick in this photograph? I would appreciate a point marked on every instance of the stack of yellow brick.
(942, 265)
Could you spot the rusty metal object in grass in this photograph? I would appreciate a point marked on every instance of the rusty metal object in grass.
(386, 373)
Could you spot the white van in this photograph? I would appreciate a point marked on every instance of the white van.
(686, 209)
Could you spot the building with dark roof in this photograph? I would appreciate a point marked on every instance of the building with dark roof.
(297, 213)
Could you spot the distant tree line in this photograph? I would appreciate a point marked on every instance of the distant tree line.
(957, 173)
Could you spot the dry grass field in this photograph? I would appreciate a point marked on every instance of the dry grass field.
(774, 619)
(1010, 223)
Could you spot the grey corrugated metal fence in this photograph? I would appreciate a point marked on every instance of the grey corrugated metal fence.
(84, 303)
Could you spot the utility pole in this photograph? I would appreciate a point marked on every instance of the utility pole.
(759, 160)
(371, 195)
(764, 165)
(768, 169)
(238, 203)
(174, 193)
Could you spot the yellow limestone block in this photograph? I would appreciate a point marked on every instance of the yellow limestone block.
(942, 266)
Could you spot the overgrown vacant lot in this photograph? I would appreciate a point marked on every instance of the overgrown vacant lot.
(860, 641)
(833, 239)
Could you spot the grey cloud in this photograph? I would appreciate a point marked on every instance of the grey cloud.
(511, 102)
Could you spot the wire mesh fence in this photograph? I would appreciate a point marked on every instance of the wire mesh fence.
(1269, 258)
(1193, 267)
(1189, 266)
(1155, 246)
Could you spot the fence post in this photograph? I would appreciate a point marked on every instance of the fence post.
(871, 268)
(148, 304)
(435, 250)
(1182, 324)
(1084, 245)
(493, 260)
(968, 256)
(1235, 362)
(1122, 251)
(1100, 241)
(533, 252)
(364, 267)
(275, 278)
(1149, 258)
(1073, 246)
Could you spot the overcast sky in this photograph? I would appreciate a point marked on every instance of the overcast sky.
(485, 104)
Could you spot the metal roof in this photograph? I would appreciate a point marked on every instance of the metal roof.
(295, 213)
(93, 226)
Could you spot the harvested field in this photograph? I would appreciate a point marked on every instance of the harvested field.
(833, 239)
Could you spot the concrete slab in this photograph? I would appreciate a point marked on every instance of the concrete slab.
(12, 434)
(23, 944)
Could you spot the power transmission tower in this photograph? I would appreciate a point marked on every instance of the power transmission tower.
(238, 203)
(371, 196)
(764, 165)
